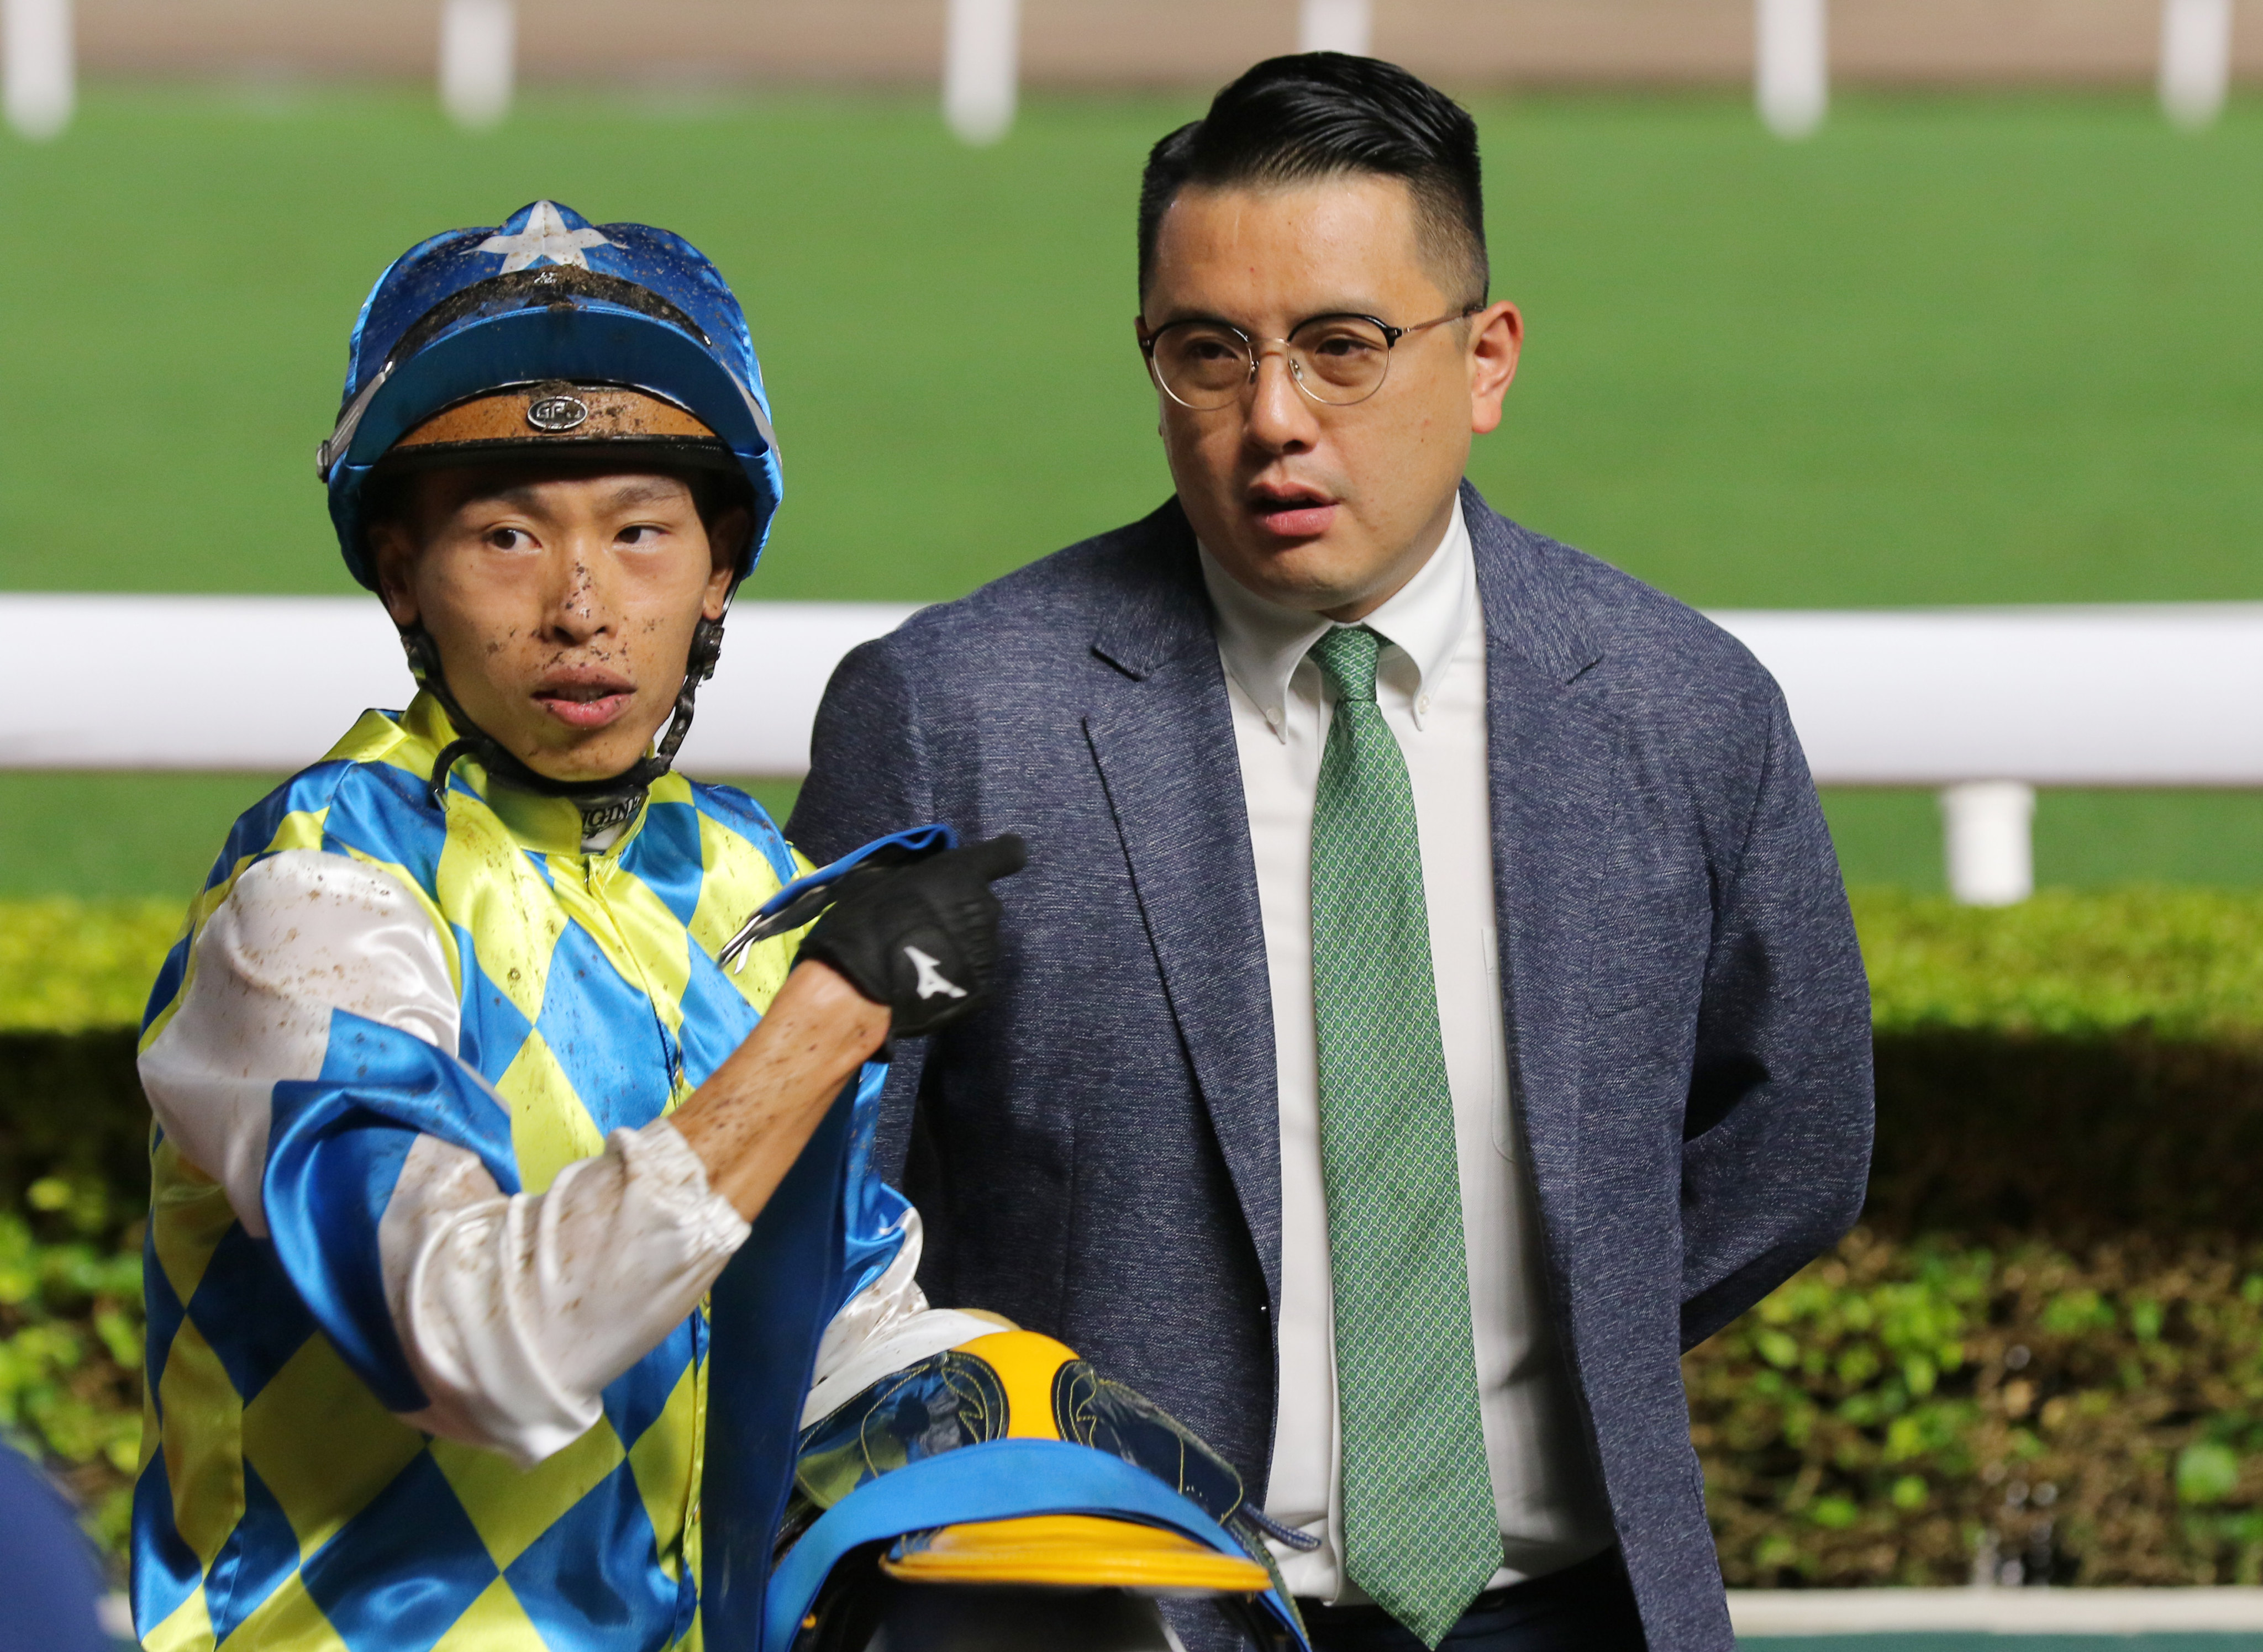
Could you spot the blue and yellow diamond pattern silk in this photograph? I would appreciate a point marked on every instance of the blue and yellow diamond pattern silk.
(282, 1505)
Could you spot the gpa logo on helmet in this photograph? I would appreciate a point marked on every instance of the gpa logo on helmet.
(557, 414)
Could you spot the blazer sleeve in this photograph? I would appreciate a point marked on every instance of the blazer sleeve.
(1776, 1135)
(869, 775)
(868, 766)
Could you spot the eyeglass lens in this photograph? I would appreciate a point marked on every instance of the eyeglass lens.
(1335, 359)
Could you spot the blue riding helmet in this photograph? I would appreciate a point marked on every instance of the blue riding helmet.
(545, 298)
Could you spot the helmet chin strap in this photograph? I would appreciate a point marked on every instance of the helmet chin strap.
(604, 804)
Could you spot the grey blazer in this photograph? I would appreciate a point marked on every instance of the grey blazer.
(1096, 1153)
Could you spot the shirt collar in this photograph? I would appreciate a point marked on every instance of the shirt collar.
(1262, 643)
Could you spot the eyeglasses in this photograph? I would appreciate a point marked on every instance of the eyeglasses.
(1335, 360)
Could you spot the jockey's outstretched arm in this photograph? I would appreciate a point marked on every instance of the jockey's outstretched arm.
(510, 1312)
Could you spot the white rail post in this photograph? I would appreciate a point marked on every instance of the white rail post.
(1792, 65)
(2196, 60)
(981, 68)
(1336, 25)
(1988, 829)
(40, 80)
(479, 41)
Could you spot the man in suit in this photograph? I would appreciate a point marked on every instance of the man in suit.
(1432, 1004)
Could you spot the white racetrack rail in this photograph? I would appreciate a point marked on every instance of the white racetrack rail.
(269, 683)
(1761, 1613)
(2142, 695)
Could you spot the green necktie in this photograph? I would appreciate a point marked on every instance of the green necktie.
(1421, 1535)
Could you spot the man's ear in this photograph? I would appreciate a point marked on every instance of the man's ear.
(727, 543)
(1496, 337)
(393, 550)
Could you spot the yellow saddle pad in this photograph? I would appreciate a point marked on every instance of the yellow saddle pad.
(1071, 1551)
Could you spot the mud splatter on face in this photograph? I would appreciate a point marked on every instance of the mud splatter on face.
(564, 608)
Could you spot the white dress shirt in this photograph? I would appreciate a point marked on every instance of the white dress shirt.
(1431, 686)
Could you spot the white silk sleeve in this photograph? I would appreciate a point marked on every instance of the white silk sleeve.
(302, 934)
(883, 1328)
(514, 1311)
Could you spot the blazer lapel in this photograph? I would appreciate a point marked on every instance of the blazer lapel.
(1553, 755)
(1162, 731)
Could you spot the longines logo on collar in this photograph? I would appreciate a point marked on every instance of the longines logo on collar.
(600, 814)
(556, 414)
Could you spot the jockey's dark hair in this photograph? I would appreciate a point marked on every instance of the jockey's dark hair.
(1324, 114)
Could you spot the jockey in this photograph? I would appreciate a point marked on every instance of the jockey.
(459, 1117)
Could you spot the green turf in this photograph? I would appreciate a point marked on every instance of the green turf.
(946, 333)
(1982, 350)
(2083, 840)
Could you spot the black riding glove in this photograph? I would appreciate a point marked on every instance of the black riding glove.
(921, 939)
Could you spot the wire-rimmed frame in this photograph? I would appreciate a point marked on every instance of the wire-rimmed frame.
(1337, 360)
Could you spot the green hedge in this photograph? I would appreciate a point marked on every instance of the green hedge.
(73, 1184)
(2180, 964)
(66, 965)
(1906, 1413)
(2044, 1348)
(70, 1352)
(2183, 963)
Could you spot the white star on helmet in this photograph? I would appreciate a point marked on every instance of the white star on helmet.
(544, 236)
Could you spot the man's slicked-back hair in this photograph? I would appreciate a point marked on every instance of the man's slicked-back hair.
(1324, 114)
